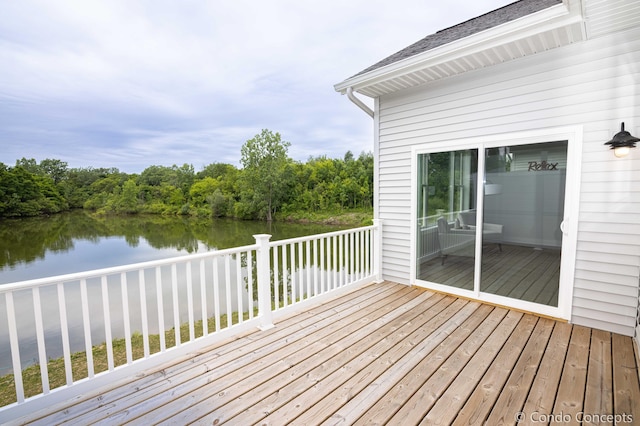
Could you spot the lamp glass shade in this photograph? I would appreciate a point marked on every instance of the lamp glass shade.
(621, 151)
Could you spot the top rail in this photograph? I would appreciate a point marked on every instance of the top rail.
(319, 236)
(75, 276)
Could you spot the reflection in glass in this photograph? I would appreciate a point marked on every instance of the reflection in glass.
(447, 187)
(523, 210)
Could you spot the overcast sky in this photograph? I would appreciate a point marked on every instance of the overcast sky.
(129, 84)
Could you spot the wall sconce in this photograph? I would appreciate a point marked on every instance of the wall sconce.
(621, 142)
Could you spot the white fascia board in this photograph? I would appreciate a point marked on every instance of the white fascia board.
(535, 23)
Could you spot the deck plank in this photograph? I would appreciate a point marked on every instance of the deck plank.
(214, 391)
(299, 378)
(338, 389)
(409, 379)
(155, 382)
(144, 394)
(545, 385)
(515, 391)
(416, 406)
(343, 361)
(625, 378)
(486, 393)
(598, 396)
(380, 351)
(570, 397)
(450, 403)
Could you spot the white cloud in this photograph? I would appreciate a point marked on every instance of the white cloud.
(149, 81)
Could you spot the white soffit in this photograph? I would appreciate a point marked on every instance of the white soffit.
(544, 30)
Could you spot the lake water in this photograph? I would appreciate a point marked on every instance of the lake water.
(77, 241)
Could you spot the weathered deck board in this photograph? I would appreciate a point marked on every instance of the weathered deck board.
(571, 391)
(514, 394)
(626, 390)
(545, 385)
(487, 392)
(383, 353)
(598, 396)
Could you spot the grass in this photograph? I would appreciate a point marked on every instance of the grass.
(353, 217)
(31, 378)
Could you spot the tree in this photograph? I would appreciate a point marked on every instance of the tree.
(128, 202)
(264, 158)
(26, 194)
(56, 169)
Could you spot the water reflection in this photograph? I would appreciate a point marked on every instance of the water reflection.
(78, 241)
(74, 242)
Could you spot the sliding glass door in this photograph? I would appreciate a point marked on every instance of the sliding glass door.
(489, 221)
(523, 212)
(447, 183)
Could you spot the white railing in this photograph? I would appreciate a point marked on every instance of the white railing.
(110, 323)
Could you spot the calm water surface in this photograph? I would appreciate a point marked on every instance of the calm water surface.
(77, 241)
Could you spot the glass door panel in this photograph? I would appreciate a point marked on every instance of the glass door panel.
(524, 192)
(447, 189)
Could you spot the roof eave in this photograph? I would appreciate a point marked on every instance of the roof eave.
(530, 25)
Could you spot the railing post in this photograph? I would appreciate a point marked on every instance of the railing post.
(377, 250)
(264, 281)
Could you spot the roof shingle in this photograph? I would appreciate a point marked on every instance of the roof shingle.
(480, 23)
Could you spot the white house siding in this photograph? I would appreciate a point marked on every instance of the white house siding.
(595, 84)
(605, 16)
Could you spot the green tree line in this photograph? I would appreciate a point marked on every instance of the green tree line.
(269, 184)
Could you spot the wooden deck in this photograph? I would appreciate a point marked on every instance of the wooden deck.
(524, 273)
(386, 353)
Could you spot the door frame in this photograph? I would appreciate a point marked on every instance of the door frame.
(573, 135)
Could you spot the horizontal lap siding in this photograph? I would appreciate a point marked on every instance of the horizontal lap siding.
(606, 16)
(594, 84)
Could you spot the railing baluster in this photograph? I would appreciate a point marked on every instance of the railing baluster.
(227, 284)
(334, 247)
(367, 252)
(239, 288)
(64, 333)
(308, 267)
(216, 293)
(160, 303)
(359, 254)
(125, 317)
(42, 352)
(203, 300)
(192, 332)
(322, 268)
(15, 347)
(107, 322)
(294, 280)
(250, 282)
(301, 270)
(352, 272)
(88, 346)
(176, 306)
(285, 277)
(276, 279)
(341, 256)
(143, 312)
(315, 266)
